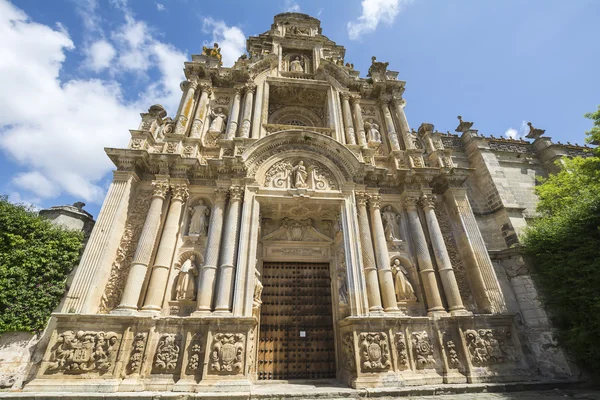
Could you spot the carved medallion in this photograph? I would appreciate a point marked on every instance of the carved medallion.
(83, 352)
(374, 351)
(423, 350)
(227, 353)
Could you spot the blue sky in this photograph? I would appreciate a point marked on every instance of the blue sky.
(75, 74)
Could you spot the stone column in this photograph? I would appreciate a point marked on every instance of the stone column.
(227, 269)
(249, 98)
(386, 279)
(143, 252)
(389, 123)
(399, 105)
(186, 106)
(257, 113)
(368, 256)
(200, 114)
(350, 138)
(234, 115)
(432, 294)
(94, 268)
(455, 304)
(358, 121)
(213, 244)
(166, 247)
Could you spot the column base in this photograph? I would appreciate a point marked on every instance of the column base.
(125, 311)
(460, 312)
(200, 313)
(150, 311)
(437, 314)
(222, 312)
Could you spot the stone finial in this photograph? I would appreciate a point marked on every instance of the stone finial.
(463, 126)
(534, 133)
(79, 205)
(425, 128)
(215, 52)
(157, 110)
(377, 67)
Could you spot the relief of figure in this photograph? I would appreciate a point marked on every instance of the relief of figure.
(214, 52)
(296, 65)
(186, 282)
(390, 224)
(373, 134)
(218, 120)
(299, 175)
(198, 219)
(342, 285)
(402, 286)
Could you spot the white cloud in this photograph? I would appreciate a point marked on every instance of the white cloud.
(18, 198)
(374, 12)
(35, 182)
(160, 7)
(291, 6)
(513, 133)
(99, 55)
(231, 39)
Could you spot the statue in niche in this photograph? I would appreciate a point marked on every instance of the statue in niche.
(296, 65)
(402, 286)
(218, 120)
(186, 282)
(198, 219)
(390, 224)
(299, 175)
(342, 285)
(373, 134)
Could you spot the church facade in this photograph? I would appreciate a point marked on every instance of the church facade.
(287, 223)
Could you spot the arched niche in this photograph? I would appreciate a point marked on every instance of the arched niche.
(295, 115)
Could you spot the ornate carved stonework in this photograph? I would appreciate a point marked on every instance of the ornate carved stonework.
(311, 175)
(227, 353)
(297, 230)
(137, 353)
(488, 346)
(450, 348)
(167, 353)
(83, 352)
(349, 357)
(423, 350)
(374, 351)
(195, 351)
(402, 353)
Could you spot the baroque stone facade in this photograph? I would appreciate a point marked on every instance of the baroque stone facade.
(288, 223)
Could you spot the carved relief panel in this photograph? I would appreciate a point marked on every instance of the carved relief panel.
(374, 351)
(167, 354)
(227, 353)
(299, 174)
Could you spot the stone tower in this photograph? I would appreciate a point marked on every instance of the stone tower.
(287, 223)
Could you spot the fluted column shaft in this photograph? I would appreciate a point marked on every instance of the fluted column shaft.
(164, 255)
(234, 115)
(445, 269)
(399, 105)
(186, 106)
(384, 272)
(200, 114)
(246, 119)
(432, 294)
(143, 252)
(347, 114)
(389, 123)
(209, 269)
(372, 282)
(227, 269)
(358, 122)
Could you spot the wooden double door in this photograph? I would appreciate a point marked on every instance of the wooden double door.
(296, 328)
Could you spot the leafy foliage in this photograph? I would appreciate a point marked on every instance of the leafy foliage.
(35, 259)
(564, 245)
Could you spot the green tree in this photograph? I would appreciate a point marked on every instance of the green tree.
(564, 247)
(35, 259)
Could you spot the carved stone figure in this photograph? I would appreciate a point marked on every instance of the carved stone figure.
(218, 120)
(390, 223)
(258, 288)
(485, 349)
(167, 353)
(377, 67)
(296, 65)
(402, 286)
(84, 351)
(299, 175)
(214, 52)
(463, 126)
(534, 133)
(199, 218)
(137, 353)
(373, 134)
(281, 175)
(342, 285)
(186, 282)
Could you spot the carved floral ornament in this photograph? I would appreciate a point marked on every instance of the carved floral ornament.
(167, 353)
(423, 350)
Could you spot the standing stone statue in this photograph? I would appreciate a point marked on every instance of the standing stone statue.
(342, 285)
(218, 120)
(186, 282)
(373, 132)
(296, 65)
(199, 218)
(390, 224)
(402, 286)
(299, 175)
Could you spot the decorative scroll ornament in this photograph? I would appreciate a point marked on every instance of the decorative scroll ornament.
(285, 175)
(195, 351)
(297, 230)
(167, 353)
(486, 349)
(402, 353)
(374, 351)
(227, 353)
(251, 343)
(84, 351)
(137, 353)
(451, 354)
(349, 362)
(423, 350)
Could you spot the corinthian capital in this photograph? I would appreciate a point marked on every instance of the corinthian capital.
(236, 193)
(410, 202)
(189, 84)
(427, 201)
(160, 188)
(180, 191)
(354, 98)
(399, 101)
(375, 201)
(250, 88)
(361, 199)
(205, 87)
(345, 96)
(220, 195)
